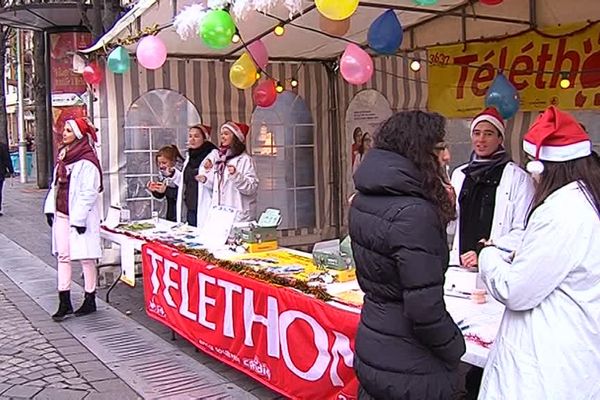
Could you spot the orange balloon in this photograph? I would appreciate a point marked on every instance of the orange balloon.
(337, 28)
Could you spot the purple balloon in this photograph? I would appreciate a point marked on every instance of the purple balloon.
(259, 53)
(356, 65)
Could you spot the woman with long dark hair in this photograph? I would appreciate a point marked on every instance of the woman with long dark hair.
(407, 346)
(548, 344)
(231, 174)
(193, 199)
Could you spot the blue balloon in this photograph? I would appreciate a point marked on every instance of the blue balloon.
(385, 33)
(504, 96)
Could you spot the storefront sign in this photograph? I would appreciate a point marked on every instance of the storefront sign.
(300, 347)
(459, 77)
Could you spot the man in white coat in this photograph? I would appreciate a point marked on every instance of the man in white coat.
(493, 194)
(72, 209)
(548, 344)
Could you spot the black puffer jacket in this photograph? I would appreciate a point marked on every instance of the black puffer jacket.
(407, 346)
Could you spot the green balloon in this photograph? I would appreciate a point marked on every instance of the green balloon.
(119, 61)
(217, 29)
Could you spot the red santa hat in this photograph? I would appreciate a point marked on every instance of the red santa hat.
(492, 116)
(555, 136)
(239, 130)
(205, 129)
(81, 127)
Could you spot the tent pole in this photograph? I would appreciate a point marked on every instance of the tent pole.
(533, 13)
(335, 135)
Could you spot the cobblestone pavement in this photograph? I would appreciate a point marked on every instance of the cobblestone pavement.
(24, 224)
(40, 360)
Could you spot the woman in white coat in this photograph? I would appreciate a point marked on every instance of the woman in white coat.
(73, 211)
(193, 199)
(493, 194)
(230, 173)
(548, 344)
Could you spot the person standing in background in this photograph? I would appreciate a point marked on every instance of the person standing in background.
(494, 194)
(231, 174)
(193, 199)
(72, 209)
(167, 160)
(6, 169)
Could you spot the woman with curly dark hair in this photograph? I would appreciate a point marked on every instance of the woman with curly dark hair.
(407, 346)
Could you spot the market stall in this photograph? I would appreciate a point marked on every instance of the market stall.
(271, 314)
(314, 90)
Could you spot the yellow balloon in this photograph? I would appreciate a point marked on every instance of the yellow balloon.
(337, 10)
(242, 73)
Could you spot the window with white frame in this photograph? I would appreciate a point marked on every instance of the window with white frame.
(155, 119)
(283, 148)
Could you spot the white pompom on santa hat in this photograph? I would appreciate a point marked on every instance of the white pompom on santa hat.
(238, 129)
(492, 116)
(83, 127)
(557, 137)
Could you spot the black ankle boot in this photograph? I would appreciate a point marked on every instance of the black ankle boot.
(64, 306)
(88, 306)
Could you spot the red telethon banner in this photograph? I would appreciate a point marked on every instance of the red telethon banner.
(298, 346)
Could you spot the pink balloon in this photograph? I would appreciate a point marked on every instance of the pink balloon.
(356, 65)
(151, 52)
(264, 94)
(259, 53)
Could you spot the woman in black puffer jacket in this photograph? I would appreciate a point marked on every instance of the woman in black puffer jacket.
(407, 346)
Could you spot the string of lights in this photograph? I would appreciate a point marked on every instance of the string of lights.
(415, 63)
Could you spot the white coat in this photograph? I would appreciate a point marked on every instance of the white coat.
(548, 344)
(204, 195)
(513, 200)
(84, 210)
(238, 191)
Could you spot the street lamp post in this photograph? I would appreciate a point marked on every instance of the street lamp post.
(21, 110)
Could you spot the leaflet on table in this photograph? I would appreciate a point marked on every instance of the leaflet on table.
(165, 232)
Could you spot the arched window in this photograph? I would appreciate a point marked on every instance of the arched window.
(283, 148)
(155, 119)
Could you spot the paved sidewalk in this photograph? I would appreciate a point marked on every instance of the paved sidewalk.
(24, 224)
(39, 359)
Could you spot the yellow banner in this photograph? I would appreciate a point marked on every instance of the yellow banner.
(535, 63)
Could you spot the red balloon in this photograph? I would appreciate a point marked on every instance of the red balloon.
(92, 74)
(264, 94)
(491, 2)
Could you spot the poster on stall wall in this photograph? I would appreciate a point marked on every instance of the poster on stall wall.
(292, 343)
(66, 86)
(459, 76)
(367, 110)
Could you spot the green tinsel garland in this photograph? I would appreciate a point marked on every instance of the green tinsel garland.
(269, 277)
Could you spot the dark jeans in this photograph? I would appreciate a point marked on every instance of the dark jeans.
(1, 186)
(191, 218)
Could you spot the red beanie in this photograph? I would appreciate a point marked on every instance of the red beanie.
(555, 136)
(81, 127)
(239, 130)
(492, 116)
